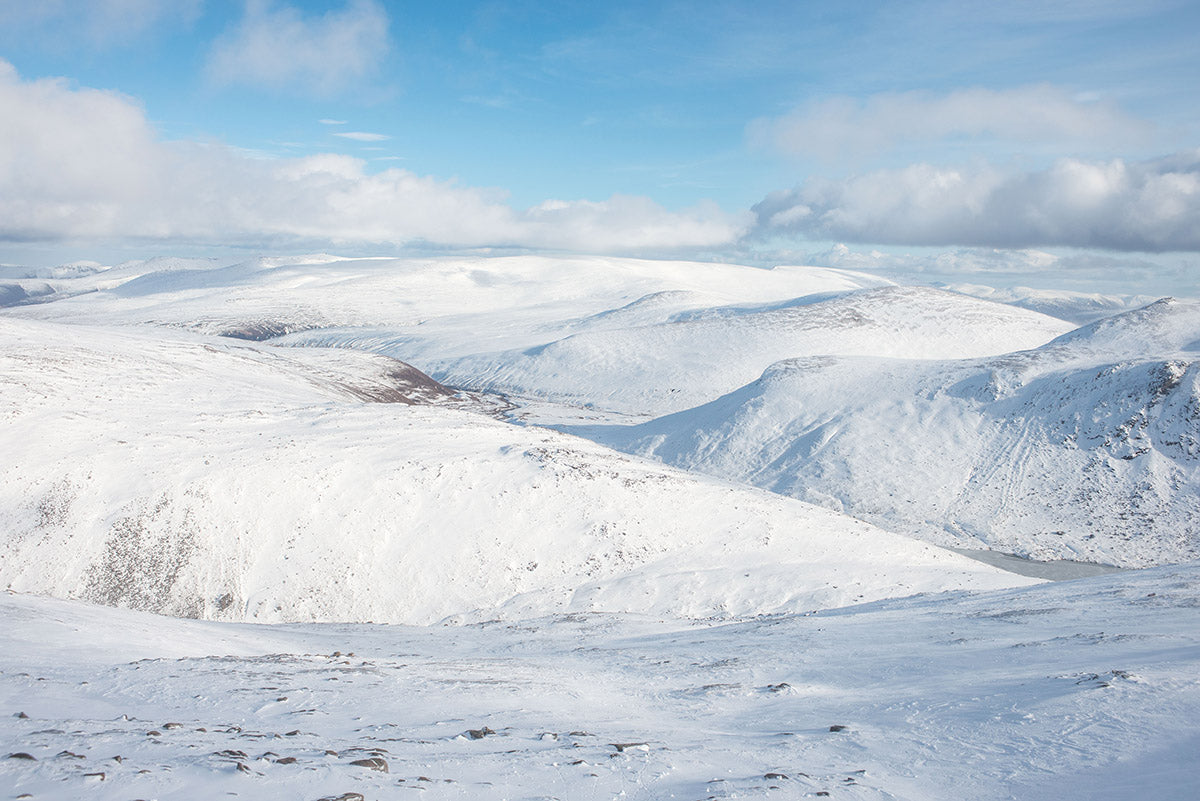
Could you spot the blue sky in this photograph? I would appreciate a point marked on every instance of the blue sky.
(755, 131)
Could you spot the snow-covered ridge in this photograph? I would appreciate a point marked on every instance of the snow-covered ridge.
(696, 356)
(1085, 448)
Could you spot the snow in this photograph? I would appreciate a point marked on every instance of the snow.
(363, 565)
(201, 477)
(1086, 448)
(1087, 689)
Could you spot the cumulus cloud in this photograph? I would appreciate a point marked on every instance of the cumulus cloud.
(1144, 206)
(94, 23)
(844, 127)
(280, 47)
(84, 165)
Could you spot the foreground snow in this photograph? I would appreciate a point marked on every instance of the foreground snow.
(1088, 689)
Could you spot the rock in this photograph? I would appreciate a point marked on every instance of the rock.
(838, 727)
(343, 797)
(478, 734)
(154, 733)
(622, 747)
(286, 761)
(23, 755)
(69, 755)
(21, 716)
(374, 763)
(172, 725)
(230, 753)
(775, 776)
(780, 687)
(94, 777)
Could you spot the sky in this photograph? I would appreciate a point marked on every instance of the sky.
(1016, 142)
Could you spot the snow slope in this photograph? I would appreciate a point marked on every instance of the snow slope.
(1086, 690)
(697, 356)
(203, 477)
(1085, 448)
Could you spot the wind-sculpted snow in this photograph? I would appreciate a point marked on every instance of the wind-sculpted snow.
(1080, 691)
(200, 477)
(1086, 448)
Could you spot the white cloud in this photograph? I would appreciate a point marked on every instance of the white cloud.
(332, 122)
(84, 165)
(95, 23)
(280, 47)
(849, 128)
(362, 136)
(1147, 206)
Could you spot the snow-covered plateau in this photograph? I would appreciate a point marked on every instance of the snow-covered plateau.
(533, 527)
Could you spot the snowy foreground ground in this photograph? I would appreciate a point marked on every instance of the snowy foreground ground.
(1085, 689)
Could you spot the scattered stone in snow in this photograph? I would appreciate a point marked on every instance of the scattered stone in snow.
(21, 715)
(837, 727)
(478, 734)
(23, 755)
(622, 747)
(374, 763)
(95, 777)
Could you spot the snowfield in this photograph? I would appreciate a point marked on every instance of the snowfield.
(591, 528)
(1084, 690)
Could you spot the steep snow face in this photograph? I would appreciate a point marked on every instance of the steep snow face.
(205, 478)
(697, 356)
(1082, 691)
(1086, 448)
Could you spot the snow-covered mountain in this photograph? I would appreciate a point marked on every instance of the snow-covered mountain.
(629, 629)
(698, 355)
(203, 477)
(1087, 447)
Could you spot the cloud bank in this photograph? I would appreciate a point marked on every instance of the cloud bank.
(282, 48)
(84, 165)
(1141, 206)
(848, 128)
